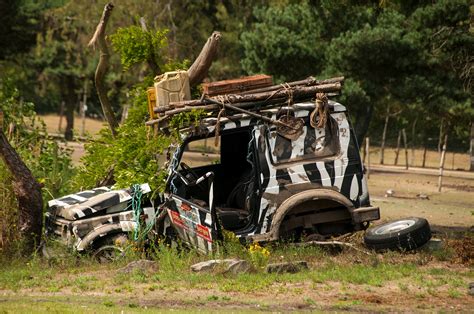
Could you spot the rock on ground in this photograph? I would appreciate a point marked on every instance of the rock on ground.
(291, 267)
(234, 266)
(141, 265)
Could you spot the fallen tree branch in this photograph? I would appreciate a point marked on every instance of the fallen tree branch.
(98, 40)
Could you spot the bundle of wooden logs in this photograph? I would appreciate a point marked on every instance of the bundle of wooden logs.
(252, 101)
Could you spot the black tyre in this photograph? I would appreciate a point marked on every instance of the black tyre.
(402, 234)
(110, 248)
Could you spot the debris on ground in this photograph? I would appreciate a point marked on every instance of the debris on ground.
(422, 196)
(433, 245)
(233, 266)
(463, 249)
(389, 193)
(140, 265)
(291, 267)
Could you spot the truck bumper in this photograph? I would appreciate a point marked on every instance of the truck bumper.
(364, 214)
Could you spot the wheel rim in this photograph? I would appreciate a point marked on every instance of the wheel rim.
(394, 226)
(108, 253)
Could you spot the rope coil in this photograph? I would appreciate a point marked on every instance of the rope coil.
(321, 110)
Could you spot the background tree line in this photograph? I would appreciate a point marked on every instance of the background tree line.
(406, 62)
(409, 56)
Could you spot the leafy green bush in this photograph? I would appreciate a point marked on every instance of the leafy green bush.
(132, 154)
(49, 162)
(136, 155)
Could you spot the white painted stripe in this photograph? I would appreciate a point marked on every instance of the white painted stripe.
(325, 179)
(78, 198)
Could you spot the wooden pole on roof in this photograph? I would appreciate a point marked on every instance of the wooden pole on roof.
(198, 70)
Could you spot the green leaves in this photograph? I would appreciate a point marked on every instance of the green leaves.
(136, 45)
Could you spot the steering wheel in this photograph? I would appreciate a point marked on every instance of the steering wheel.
(189, 171)
(194, 176)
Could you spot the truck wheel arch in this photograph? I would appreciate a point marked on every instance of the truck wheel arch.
(301, 198)
(100, 232)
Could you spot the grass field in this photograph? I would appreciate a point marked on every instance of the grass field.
(335, 281)
(346, 281)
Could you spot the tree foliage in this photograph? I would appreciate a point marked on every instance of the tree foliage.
(417, 55)
(136, 45)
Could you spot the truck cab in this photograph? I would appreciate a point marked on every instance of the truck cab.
(263, 186)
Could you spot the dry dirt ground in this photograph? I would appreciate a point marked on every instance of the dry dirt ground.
(91, 126)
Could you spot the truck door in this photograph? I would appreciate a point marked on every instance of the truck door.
(191, 203)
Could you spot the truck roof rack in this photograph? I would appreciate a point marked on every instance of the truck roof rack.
(239, 98)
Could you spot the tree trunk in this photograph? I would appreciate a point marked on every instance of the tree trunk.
(397, 151)
(404, 134)
(413, 137)
(69, 132)
(198, 70)
(69, 94)
(424, 157)
(84, 108)
(28, 193)
(367, 149)
(471, 168)
(384, 136)
(61, 114)
(441, 162)
(362, 123)
(440, 139)
(99, 40)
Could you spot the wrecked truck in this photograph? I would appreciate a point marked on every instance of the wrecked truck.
(271, 173)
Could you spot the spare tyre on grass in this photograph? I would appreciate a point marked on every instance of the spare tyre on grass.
(401, 234)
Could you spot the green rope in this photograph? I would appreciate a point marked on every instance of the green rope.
(138, 233)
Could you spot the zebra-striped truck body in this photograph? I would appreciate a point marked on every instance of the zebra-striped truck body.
(312, 185)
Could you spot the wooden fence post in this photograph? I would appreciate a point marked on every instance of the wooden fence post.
(406, 147)
(424, 157)
(441, 162)
(398, 147)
